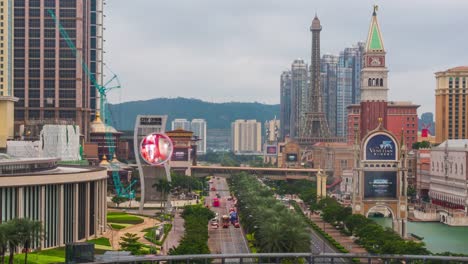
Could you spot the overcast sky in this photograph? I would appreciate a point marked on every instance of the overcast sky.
(222, 51)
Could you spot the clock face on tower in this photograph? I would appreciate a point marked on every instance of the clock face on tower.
(375, 61)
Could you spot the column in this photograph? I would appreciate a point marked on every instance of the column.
(96, 218)
(75, 209)
(42, 212)
(61, 216)
(319, 185)
(324, 186)
(87, 216)
(20, 213)
(104, 202)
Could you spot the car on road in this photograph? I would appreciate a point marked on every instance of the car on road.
(213, 188)
(229, 198)
(215, 202)
(210, 182)
(218, 195)
(217, 178)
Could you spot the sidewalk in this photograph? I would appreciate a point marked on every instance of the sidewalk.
(175, 235)
(344, 240)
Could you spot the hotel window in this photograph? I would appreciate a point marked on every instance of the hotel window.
(457, 82)
(450, 82)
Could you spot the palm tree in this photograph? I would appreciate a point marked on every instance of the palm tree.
(28, 232)
(3, 240)
(163, 186)
(13, 239)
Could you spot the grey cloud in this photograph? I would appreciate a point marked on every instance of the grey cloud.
(235, 50)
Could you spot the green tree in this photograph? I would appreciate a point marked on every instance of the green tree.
(4, 232)
(130, 243)
(164, 187)
(28, 232)
(118, 200)
(13, 239)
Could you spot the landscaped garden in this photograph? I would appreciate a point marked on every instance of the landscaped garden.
(123, 218)
(55, 255)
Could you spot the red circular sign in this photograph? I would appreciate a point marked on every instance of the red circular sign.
(156, 149)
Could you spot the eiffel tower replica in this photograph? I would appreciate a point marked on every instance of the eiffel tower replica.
(315, 128)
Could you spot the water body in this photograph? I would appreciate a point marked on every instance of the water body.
(438, 237)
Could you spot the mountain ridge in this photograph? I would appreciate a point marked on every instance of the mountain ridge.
(217, 115)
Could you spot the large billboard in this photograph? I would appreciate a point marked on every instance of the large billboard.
(380, 184)
(381, 147)
(291, 157)
(156, 148)
(271, 150)
(180, 154)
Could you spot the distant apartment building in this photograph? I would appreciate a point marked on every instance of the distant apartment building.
(285, 104)
(272, 128)
(341, 86)
(299, 96)
(451, 104)
(246, 136)
(7, 99)
(343, 98)
(49, 80)
(180, 123)
(198, 127)
(329, 65)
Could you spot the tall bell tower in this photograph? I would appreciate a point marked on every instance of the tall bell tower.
(374, 76)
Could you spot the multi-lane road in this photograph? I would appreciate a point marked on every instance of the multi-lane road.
(224, 240)
(232, 240)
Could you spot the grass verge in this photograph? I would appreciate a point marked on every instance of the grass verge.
(123, 218)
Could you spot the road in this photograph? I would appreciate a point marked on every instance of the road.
(224, 240)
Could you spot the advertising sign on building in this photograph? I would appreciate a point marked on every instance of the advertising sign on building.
(156, 148)
(271, 150)
(381, 147)
(180, 154)
(380, 184)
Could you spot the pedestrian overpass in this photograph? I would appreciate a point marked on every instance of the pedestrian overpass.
(271, 173)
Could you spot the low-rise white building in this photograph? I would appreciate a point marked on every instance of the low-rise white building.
(448, 187)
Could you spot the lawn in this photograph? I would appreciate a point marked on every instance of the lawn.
(54, 255)
(100, 241)
(119, 226)
(123, 218)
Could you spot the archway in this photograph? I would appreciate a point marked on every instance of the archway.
(383, 215)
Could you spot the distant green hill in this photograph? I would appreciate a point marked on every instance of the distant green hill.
(217, 115)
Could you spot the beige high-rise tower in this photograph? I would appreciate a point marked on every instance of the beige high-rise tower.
(7, 99)
(451, 104)
(246, 136)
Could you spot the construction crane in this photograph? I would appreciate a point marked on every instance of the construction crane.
(121, 190)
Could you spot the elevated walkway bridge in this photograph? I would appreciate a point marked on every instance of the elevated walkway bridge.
(271, 173)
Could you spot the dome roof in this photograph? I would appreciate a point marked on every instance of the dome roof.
(104, 162)
(97, 126)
